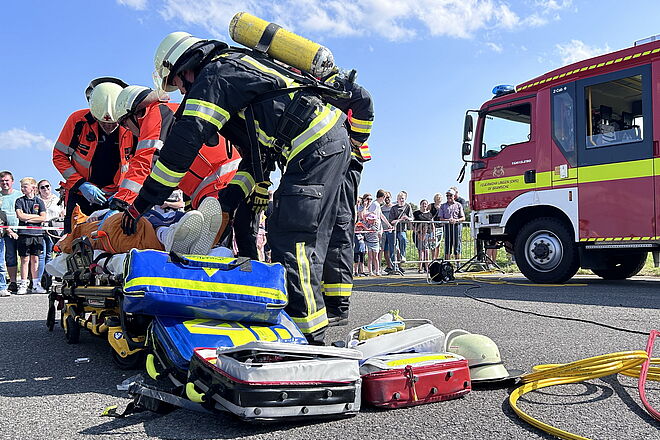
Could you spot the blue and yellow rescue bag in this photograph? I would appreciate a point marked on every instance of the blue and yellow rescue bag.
(174, 339)
(200, 286)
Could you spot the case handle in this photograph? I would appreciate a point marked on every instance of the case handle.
(242, 262)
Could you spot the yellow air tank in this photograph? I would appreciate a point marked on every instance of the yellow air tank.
(281, 44)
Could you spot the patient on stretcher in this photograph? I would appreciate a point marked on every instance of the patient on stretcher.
(189, 233)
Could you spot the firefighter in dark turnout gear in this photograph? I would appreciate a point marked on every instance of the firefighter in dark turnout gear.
(238, 92)
(337, 284)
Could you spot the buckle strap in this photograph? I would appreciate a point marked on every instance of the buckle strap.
(296, 117)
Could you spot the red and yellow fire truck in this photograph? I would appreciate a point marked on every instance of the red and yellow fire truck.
(565, 168)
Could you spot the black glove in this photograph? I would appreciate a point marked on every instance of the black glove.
(129, 220)
(116, 204)
(259, 199)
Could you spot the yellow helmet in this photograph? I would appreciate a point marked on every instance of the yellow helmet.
(482, 354)
(168, 53)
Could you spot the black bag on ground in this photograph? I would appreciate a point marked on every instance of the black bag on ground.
(441, 271)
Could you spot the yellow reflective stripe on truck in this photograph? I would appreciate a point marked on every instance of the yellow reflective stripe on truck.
(587, 174)
(616, 171)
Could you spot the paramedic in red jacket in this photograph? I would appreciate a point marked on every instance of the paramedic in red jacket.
(92, 152)
(149, 116)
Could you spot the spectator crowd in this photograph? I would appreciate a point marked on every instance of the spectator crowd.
(383, 228)
(23, 215)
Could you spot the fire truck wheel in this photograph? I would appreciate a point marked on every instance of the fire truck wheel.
(545, 251)
(622, 267)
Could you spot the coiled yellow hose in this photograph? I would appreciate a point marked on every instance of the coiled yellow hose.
(625, 362)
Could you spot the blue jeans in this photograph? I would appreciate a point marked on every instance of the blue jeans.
(401, 242)
(46, 255)
(3, 269)
(11, 256)
(157, 219)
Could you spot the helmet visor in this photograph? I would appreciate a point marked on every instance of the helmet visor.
(160, 79)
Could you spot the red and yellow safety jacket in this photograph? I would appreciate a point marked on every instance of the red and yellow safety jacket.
(154, 126)
(211, 171)
(213, 168)
(75, 147)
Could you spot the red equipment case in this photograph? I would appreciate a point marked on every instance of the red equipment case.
(408, 379)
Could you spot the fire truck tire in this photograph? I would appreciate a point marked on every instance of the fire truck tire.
(545, 251)
(622, 268)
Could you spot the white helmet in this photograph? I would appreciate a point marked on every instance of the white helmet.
(131, 97)
(482, 354)
(102, 101)
(168, 53)
(96, 81)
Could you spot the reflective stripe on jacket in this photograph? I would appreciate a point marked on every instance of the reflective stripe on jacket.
(211, 171)
(154, 127)
(73, 157)
(222, 89)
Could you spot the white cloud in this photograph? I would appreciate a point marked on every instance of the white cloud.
(576, 50)
(135, 4)
(18, 138)
(390, 19)
(495, 47)
(553, 5)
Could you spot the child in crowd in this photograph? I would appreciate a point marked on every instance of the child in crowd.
(359, 249)
(372, 242)
(31, 211)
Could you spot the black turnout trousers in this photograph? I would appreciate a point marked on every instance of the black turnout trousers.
(338, 267)
(304, 215)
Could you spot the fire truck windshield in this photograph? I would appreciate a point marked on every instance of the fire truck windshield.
(504, 127)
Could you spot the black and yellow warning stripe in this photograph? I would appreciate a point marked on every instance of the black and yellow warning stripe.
(585, 68)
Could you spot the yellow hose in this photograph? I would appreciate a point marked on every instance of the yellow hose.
(625, 362)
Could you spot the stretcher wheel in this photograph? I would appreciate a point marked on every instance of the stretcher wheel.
(135, 361)
(46, 281)
(50, 319)
(71, 330)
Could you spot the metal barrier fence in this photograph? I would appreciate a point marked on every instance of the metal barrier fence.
(426, 241)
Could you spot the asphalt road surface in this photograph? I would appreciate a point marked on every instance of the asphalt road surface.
(45, 394)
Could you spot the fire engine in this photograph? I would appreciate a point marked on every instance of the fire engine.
(565, 167)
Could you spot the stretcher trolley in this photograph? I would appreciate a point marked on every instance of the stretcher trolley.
(90, 297)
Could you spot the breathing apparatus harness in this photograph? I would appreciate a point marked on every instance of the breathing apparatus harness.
(297, 112)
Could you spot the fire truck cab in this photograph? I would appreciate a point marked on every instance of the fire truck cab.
(565, 167)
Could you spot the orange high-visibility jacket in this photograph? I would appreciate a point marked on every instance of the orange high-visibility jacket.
(154, 126)
(211, 170)
(75, 147)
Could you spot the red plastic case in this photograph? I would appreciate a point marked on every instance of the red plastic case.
(416, 385)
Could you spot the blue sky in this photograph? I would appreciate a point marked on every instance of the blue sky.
(424, 62)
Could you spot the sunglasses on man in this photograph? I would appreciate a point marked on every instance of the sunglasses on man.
(44, 186)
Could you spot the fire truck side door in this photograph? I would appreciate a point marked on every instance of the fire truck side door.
(615, 156)
(506, 151)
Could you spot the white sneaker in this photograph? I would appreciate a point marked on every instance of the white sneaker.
(22, 288)
(36, 288)
(181, 236)
(4, 292)
(212, 212)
